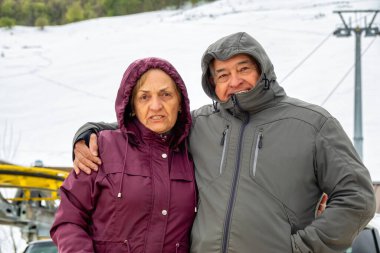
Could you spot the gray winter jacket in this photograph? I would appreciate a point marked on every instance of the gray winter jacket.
(262, 162)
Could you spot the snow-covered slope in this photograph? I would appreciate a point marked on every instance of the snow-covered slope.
(53, 81)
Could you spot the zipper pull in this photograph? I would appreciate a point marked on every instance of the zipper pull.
(260, 141)
(224, 135)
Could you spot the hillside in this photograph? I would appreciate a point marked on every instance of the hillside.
(53, 81)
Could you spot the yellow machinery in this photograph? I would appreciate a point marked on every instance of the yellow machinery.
(46, 179)
(34, 198)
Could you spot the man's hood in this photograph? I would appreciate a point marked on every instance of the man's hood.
(267, 87)
(132, 74)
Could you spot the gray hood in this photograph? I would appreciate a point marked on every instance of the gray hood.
(267, 88)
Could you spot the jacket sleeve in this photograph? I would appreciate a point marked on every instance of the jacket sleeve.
(93, 127)
(342, 175)
(87, 129)
(70, 230)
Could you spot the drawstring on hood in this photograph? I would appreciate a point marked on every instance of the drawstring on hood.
(124, 163)
(215, 105)
(237, 108)
(267, 82)
(236, 104)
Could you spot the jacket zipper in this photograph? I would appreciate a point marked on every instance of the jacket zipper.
(234, 182)
(177, 247)
(225, 144)
(259, 145)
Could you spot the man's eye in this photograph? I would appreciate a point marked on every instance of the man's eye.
(244, 69)
(223, 77)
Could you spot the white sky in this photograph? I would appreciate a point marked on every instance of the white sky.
(53, 81)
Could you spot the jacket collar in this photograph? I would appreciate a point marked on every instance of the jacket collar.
(139, 133)
(256, 99)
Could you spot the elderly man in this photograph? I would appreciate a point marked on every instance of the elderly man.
(262, 161)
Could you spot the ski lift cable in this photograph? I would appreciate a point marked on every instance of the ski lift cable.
(90, 94)
(346, 74)
(307, 57)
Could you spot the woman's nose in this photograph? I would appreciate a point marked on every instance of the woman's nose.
(156, 104)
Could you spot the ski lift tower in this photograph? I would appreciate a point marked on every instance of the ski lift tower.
(345, 31)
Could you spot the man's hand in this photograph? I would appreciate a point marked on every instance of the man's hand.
(86, 158)
(322, 204)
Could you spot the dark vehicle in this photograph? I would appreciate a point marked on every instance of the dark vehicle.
(42, 246)
(368, 240)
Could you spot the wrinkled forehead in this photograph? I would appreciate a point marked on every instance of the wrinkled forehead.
(156, 78)
(155, 81)
(232, 62)
(220, 64)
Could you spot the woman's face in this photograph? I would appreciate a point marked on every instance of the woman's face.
(157, 102)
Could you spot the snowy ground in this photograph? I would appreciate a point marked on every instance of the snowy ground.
(53, 81)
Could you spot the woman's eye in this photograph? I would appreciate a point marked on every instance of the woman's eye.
(143, 97)
(166, 95)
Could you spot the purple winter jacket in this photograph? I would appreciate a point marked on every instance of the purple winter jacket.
(143, 198)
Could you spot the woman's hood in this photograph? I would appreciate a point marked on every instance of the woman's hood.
(130, 77)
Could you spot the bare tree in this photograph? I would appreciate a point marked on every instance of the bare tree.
(14, 245)
(1, 237)
(9, 145)
(8, 150)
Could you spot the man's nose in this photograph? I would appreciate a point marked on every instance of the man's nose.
(156, 104)
(235, 80)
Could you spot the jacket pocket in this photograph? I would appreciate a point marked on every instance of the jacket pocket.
(132, 167)
(113, 246)
(298, 246)
(224, 142)
(182, 247)
(258, 144)
(273, 216)
(118, 176)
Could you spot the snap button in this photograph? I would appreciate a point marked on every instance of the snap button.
(164, 212)
(164, 155)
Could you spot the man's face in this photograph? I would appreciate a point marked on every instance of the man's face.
(236, 75)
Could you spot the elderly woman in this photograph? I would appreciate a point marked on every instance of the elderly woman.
(143, 197)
